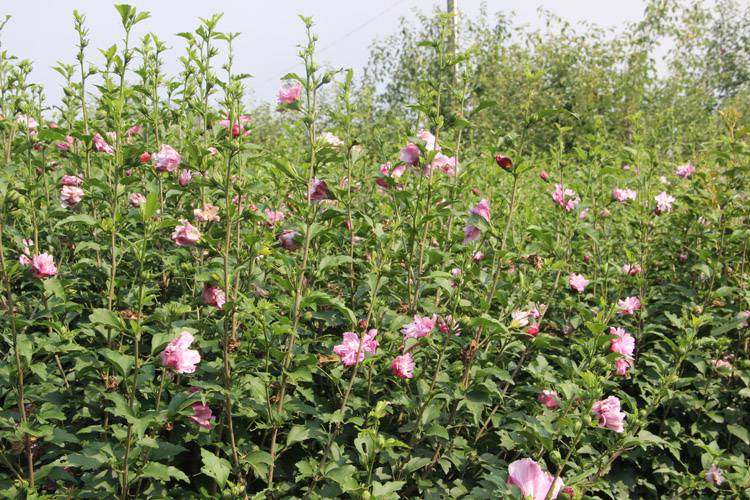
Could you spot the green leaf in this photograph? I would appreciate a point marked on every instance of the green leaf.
(416, 463)
(125, 11)
(461, 122)
(50, 134)
(178, 403)
(165, 449)
(149, 208)
(106, 317)
(148, 442)
(84, 462)
(53, 287)
(320, 297)
(160, 340)
(723, 291)
(726, 327)
(121, 408)
(141, 17)
(315, 229)
(384, 490)
(437, 430)
(344, 476)
(80, 219)
(305, 469)
(647, 438)
(25, 347)
(740, 432)
(259, 461)
(297, 434)
(89, 458)
(122, 362)
(61, 436)
(43, 431)
(215, 467)
(285, 169)
(427, 43)
(161, 472)
(382, 408)
(292, 76)
(331, 261)
(484, 105)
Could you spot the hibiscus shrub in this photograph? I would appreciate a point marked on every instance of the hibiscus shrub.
(337, 299)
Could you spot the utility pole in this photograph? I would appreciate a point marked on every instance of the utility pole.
(451, 10)
(452, 14)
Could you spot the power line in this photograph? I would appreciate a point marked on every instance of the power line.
(344, 37)
(363, 25)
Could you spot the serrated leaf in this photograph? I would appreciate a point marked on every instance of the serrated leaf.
(53, 287)
(416, 463)
(726, 327)
(385, 490)
(297, 434)
(260, 461)
(88, 459)
(345, 477)
(437, 430)
(106, 317)
(122, 362)
(215, 467)
(77, 219)
(162, 472)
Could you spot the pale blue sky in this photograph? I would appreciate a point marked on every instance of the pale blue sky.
(42, 30)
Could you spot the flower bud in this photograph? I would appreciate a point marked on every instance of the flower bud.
(504, 162)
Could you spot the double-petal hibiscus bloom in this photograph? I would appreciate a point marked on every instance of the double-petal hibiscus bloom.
(178, 355)
(213, 296)
(549, 399)
(403, 366)
(577, 282)
(186, 234)
(623, 344)
(352, 349)
(686, 170)
(623, 195)
(167, 159)
(663, 202)
(609, 415)
(566, 198)
(420, 327)
(290, 94)
(43, 266)
(482, 209)
(628, 305)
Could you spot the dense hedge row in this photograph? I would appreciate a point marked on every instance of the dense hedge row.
(459, 292)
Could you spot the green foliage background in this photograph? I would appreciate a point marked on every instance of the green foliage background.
(89, 411)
